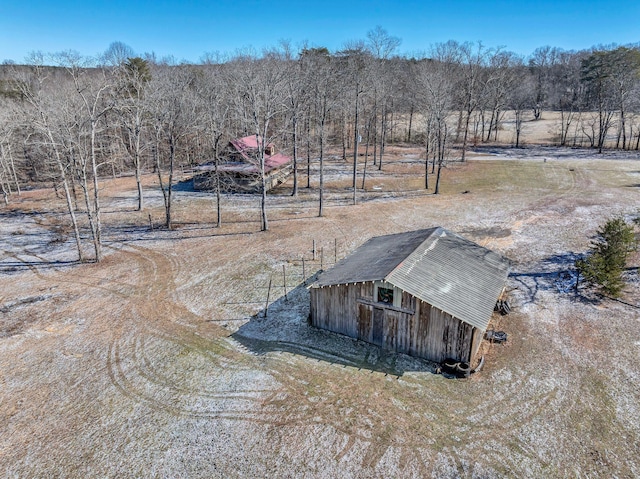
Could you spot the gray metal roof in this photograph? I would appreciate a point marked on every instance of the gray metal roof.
(435, 265)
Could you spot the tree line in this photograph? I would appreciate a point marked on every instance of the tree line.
(67, 120)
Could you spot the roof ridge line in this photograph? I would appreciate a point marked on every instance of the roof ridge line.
(438, 229)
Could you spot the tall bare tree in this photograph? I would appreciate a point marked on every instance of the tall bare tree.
(8, 175)
(470, 61)
(92, 87)
(133, 77)
(355, 60)
(434, 89)
(42, 116)
(325, 89)
(502, 75)
(212, 90)
(598, 76)
(260, 93)
(382, 46)
(296, 85)
(174, 110)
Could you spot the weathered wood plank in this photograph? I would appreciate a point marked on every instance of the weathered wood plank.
(415, 328)
(377, 333)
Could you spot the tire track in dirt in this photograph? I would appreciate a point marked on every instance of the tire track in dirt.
(163, 331)
(160, 394)
(161, 360)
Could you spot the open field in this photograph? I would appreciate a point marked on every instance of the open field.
(158, 362)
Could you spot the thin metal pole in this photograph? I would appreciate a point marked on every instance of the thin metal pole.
(284, 281)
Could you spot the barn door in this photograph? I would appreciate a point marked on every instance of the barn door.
(378, 326)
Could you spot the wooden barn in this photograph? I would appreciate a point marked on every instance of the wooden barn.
(427, 293)
(239, 169)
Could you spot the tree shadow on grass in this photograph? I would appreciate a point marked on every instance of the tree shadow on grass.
(556, 274)
(286, 330)
(7, 267)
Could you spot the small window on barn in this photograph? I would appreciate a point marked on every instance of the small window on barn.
(385, 295)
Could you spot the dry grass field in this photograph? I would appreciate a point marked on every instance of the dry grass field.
(158, 361)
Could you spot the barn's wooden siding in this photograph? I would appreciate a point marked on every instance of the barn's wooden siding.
(442, 336)
(415, 328)
(335, 308)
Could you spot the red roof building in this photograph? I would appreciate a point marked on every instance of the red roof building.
(239, 168)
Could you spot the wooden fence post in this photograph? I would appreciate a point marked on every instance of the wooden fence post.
(266, 306)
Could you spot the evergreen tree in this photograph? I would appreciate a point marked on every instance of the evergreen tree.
(605, 263)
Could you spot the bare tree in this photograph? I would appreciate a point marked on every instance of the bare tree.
(565, 93)
(8, 174)
(597, 74)
(382, 47)
(41, 114)
(92, 91)
(541, 64)
(260, 85)
(213, 93)
(133, 77)
(434, 89)
(521, 100)
(354, 61)
(117, 54)
(296, 84)
(325, 89)
(501, 78)
(174, 112)
(624, 66)
(470, 61)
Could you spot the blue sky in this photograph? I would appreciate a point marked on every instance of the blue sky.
(188, 29)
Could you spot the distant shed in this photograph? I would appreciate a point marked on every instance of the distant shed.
(239, 168)
(428, 293)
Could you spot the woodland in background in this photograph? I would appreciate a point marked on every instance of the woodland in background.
(67, 120)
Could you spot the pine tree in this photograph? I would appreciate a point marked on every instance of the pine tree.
(607, 258)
